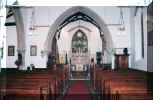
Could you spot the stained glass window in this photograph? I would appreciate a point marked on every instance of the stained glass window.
(79, 42)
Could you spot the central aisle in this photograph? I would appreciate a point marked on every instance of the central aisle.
(78, 91)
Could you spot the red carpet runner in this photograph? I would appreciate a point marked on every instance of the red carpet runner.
(78, 91)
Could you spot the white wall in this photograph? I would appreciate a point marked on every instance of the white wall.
(2, 35)
(138, 62)
(11, 40)
(47, 15)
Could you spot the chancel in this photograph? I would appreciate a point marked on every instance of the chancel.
(77, 53)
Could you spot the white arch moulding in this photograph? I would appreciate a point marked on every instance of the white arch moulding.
(86, 10)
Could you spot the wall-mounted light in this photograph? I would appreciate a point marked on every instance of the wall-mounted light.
(44, 52)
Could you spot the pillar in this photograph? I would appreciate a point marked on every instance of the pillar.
(132, 39)
(20, 34)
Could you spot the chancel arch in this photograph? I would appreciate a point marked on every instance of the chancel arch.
(85, 14)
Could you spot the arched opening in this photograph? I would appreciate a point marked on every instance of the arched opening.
(61, 19)
(80, 53)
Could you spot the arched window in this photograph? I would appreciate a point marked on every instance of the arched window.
(79, 42)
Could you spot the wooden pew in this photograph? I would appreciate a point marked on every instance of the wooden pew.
(114, 85)
(34, 82)
(28, 90)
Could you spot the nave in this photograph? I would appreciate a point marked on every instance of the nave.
(54, 84)
(80, 52)
(78, 90)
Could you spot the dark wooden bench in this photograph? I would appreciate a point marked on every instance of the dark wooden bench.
(29, 85)
(118, 85)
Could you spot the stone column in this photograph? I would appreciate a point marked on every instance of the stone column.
(20, 34)
(103, 48)
(132, 39)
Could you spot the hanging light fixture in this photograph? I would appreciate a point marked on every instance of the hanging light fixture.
(121, 21)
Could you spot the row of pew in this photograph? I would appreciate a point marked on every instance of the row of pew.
(45, 84)
(123, 84)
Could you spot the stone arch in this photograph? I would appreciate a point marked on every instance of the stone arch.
(73, 27)
(54, 27)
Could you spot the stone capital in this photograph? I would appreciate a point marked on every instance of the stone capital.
(21, 50)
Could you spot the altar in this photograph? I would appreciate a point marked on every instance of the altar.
(79, 72)
(79, 55)
(79, 68)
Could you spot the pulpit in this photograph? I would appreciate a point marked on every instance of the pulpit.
(121, 61)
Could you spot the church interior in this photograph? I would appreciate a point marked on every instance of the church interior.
(76, 53)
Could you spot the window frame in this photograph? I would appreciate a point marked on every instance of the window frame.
(33, 50)
(11, 50)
